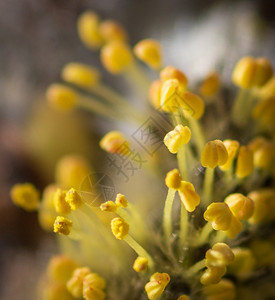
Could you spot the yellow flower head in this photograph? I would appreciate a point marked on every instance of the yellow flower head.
(219, 214)
(61, 267)
(214, 154)
(61, 97)
(88, 30)
(192, 105)
(116, 57)
(232, 148)
(157, 284)
(75, 283)
(25, 195)
(173, 179)
(93, 286)
(121, 201)
(115, 142)
(140, 264)
(189, 198)
(111, 30)
(119, 227)
(210, 85)
(81, 75)
(149, 51)
(62, 225)
(109, 206)
(179, 136)
(225, 289)
(242, 207)
(170, 72)
(212, 275)
(73, 199)
(245, 165)
(220, 255)
(61, 206)
(260, 207)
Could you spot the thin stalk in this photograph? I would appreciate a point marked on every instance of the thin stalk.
(197, 133)
(195, 268)
(208, 185)
(182, 162)
(203, 236)
(167, 215)
(184, 225)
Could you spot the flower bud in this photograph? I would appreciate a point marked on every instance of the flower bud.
(73, 199)
(121, 201)
(220, 255)
(242, 207)
(173, 179)
(109, 206)
(25, 195)
(214, 154)
(93, 286)
(210, 85)
(112, 31)
(235, 228)
(62, 225)
(189, 198)
(140, 264)
(154, 93)
(219, 214)
(225, 289)
(119, 227)
(75, 284)
(179, 136)
(212, 275)
(268, 89)
(170, 72)
(115, 142)
(157, 284)
(245, 164)
(61, 206)
(192, 104)
(232, 148)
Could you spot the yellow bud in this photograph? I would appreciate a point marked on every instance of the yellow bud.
(61, 97)
(61, 206)
(140, 264)
(81, 75)
(268, 89)
(173, 179)
(121, 201)
(232, 148)
(219, 214)
(183, 297)
(214, 154)
(189, 198)
(46, 219)
(115, 142)
(157, 284)
(112, 31)
(264, 156)
(171, 95)
(224, 290)
(179, 136)
(210, 85)
(154, 93)
(245, 164)
(88, 30)
(170, 72)
(56, 291)
(116, 57)
(71, 170)
(109, 206)
(119, 227)
(149, 51)
(62, 225)
(192, 104)
(73, 199)
(60, 268)
(93, 286)
(263, 71)
(260, 207)
(75, 284)
(265, 111)
(220, 255)
(235, 228)
(242, 207)
(25, 195)
(212, 275)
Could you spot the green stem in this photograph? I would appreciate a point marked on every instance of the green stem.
(196, 268)
(167, 215)
(183, 228)
(220, 237)
(203, 236)
(208, 185)
(197, 133)
(182, 162)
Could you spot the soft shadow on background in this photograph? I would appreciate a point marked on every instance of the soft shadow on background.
(39, 37)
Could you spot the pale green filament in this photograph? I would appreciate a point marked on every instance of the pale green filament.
(203, 236)
(167, 215)
(208, 186)
(195, 268)
(184, 226)
(182, 162)
(197, 133)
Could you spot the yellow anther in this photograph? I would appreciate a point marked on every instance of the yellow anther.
(220, 255)
(154, 93)
(170, 72)
(115, 142)
(25, 195)
(264, 156)
(214, 154)
(250, 72)
(140, 264)
(210, 85)
(260, 207)
(171, 95)
(224, 290)
(75, 284)
(88, 30)
(116, 57)
(183, 297)
(119, 227)
(73, 199)
(219, 214)
(112, 31)
(265, 111)
(56, 291)
(93, 286)
(173, 179)
(71, 170)
(61, 206)
(61, 97)
(244, 262)
(62, 225)
(235, 228)
(242, 207)
(109, 206)
(268, 89)
(212, 275)
(189, 198)
(192, 104)
(149, 51)
(157, 284)
(81, 75)
(121, 201)
(245, 165)
(232, 148)
(257, 143)
(60, 268)
(179, 136)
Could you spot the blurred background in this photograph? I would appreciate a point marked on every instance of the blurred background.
(37, 38)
